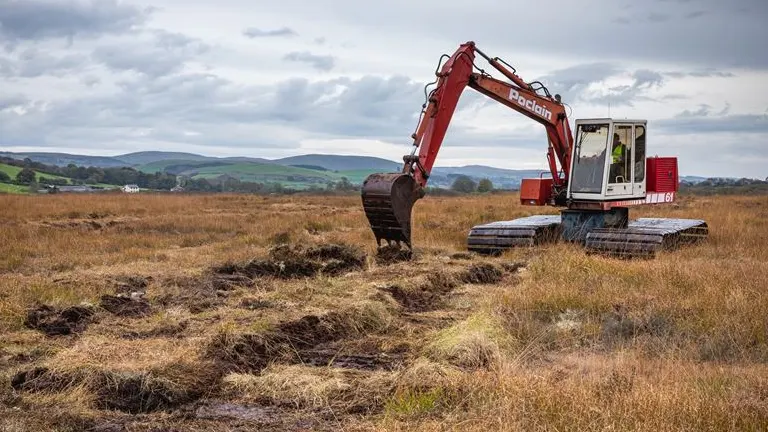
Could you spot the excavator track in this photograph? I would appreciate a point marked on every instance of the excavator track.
(645, 237)
(493, 238)
(388, 200)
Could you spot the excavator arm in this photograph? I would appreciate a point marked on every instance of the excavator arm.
(455, 75)
(388, 198)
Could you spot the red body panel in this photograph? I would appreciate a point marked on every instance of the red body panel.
(662, 174)
(535, 191)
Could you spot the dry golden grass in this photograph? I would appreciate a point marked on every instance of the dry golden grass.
(570, 342)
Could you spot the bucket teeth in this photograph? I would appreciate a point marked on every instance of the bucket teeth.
(388, 200)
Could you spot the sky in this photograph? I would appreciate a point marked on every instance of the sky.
(283, 78)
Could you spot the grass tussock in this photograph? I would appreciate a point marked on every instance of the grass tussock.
(311, 387)
(477, 342)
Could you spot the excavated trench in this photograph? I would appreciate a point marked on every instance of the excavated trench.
(55, 321)
(329, 340)
(290, 262)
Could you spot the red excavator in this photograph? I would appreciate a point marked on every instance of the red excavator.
(596, 177)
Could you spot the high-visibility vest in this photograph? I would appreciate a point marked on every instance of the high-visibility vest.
(617, 152)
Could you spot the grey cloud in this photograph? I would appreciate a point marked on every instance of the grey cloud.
(626, 95)
(653, 17)
(575, 84)
(702, 111)
(369, 106)
(696, 14)
(166, 54)
(33, 62)
(152, 52)
(224, 113)
(90, 81)
(38, 19)
(645, 78)
(320, 62)
(253, 32)
(147, 110)
(12, 101)
(138, 59)
(724, 36)
(741, 123)
(320, 40)
(575, 79)
(705, 110)
(656, 17)
(170, 40)
(674, 96)
(701, 73)
(7, 67)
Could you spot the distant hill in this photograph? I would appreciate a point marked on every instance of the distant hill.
(12, 171)
(297, 177)
(692, 179)
(295, 171)
(245, 159)
(342, 163)
(486, 171)
(64, 159)
(145, 157)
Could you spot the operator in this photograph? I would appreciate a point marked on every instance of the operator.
(618, 155)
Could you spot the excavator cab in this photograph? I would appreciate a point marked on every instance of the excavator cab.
(608, 160)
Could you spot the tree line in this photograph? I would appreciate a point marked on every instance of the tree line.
(232, 184)
(465, 184)
(81, 175)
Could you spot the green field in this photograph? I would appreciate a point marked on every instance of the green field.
(257, 169)
(288, 176)
(256, 172)
(12, 171)
(160, 166)
(12, 188)
(357, 176)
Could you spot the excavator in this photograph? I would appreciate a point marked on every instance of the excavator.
(594, 177)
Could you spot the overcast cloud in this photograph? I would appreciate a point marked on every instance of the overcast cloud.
(274, 79)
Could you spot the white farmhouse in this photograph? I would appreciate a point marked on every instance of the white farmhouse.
(131, 188)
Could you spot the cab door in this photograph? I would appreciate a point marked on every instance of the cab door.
(638, 159)
(621, 168)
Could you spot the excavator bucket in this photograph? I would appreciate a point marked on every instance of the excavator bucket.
(387, 200)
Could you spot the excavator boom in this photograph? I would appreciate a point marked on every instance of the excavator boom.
(388, 198)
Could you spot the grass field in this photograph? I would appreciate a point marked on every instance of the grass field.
(12, 171)
(357, 176)
(12, 188)
(236, 312)
(289, 176)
